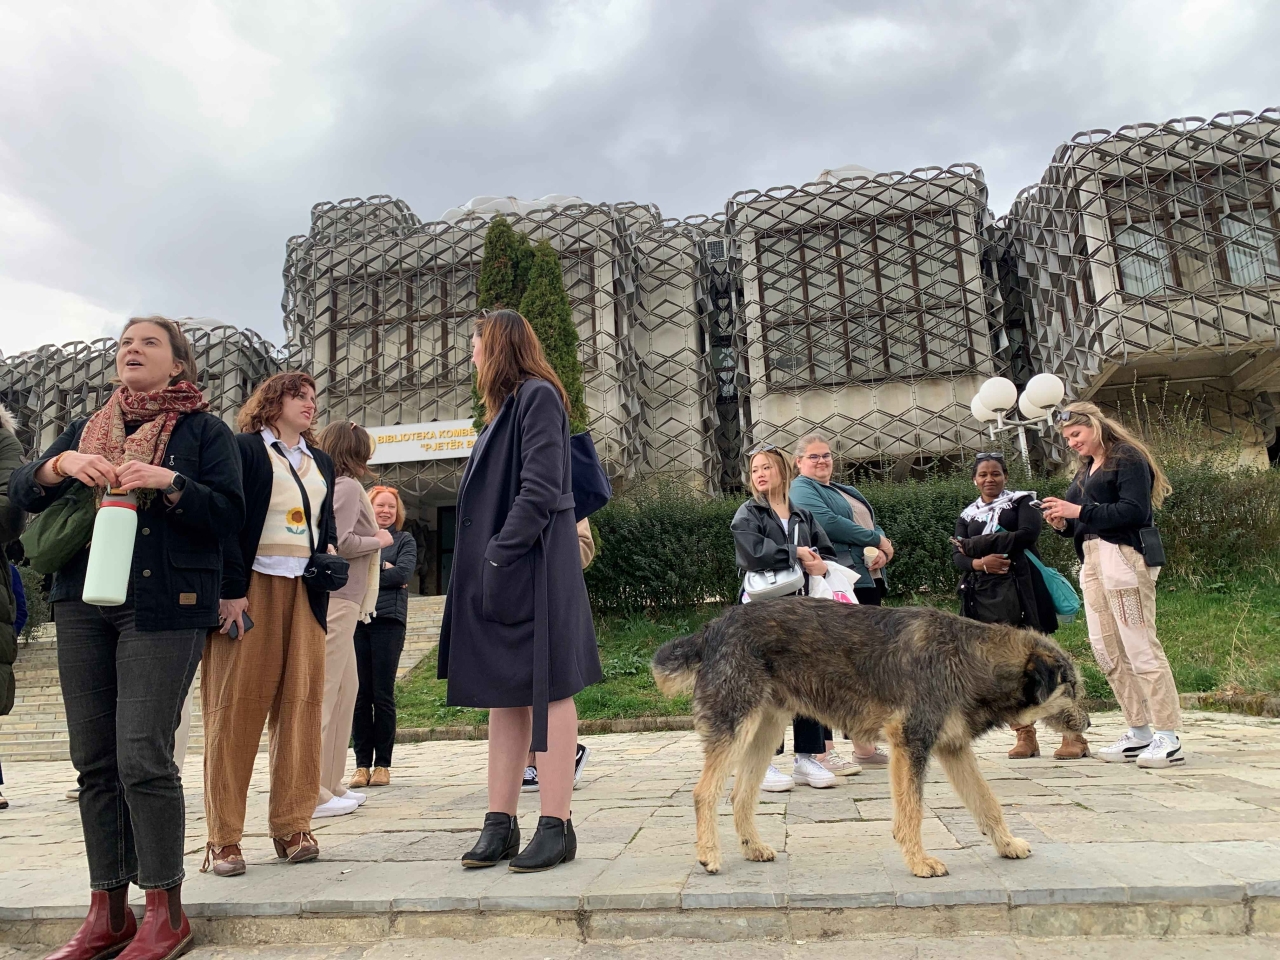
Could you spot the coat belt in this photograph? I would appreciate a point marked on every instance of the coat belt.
(542, 632)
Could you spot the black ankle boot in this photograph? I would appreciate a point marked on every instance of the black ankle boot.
(499, 840)
(554, 843)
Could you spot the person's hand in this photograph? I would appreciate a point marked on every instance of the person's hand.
(232, 611)
(992, 563)
(136, 475)
(384, 538)
(89, 468)
(386, 565)
(812, 563)
(1057, 512)
(331, 550)
(879, 562)
(886, 547)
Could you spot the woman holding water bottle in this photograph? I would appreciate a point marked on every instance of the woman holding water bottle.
(126, 668)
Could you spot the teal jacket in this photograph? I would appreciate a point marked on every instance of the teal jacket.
(832, 513)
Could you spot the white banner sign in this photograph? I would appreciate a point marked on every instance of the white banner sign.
(438, 440)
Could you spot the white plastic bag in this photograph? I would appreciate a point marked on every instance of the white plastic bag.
(837, 585)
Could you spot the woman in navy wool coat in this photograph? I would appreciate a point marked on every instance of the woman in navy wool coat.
(517, 635)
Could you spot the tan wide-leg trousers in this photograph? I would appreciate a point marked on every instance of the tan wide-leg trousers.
(274, 674)
(1120, 607)
(341, 684)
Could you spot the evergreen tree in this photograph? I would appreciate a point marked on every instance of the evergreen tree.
(504, 271)
(546, 306)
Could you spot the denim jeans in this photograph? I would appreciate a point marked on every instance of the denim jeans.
(379, 644)
(124, 691)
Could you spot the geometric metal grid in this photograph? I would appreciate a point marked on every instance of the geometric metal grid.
(384, 305)
(866, 312)
(1150, 260)
(49, 387)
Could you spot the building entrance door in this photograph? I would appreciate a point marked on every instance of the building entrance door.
(446, 528)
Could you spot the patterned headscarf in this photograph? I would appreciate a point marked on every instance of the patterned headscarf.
(157, 411)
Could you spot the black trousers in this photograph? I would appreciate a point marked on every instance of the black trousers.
(810, 735)
(124, 690)
(379, 644)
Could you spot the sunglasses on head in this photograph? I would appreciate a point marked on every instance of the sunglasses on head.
(989, 455)
(762, 448)
(1062, 416)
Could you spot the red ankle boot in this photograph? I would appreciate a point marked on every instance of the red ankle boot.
(165, 932)
(95, 940)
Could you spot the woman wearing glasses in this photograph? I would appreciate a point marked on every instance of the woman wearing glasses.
(848, 519)
(999, 584)
(771, 533)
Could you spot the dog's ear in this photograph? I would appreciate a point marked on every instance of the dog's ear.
(1041, 677)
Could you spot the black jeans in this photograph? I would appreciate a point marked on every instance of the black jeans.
(123, 691)
(373, 728)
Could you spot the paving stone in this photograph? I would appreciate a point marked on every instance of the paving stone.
(969, 881)
(558, 889)
(1166, 872)
(740, 883)
(633, 882)
(1058, 873)
(833, 881)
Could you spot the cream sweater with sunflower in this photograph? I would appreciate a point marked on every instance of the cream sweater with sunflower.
(284, 534)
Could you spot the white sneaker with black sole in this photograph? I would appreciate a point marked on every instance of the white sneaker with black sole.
(580, 761)
(530, 784)
(1162, 752)
(811, 773)
(775, 781)
(1124, 750)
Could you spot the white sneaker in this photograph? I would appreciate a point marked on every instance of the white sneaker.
(530, 784)
(335, 807)
(775, 781)
(1162, 752)
(582, 754)
(359, 798)
(811, 773)
(1124, 750)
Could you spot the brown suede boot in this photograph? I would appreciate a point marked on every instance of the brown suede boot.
(1027, 745)
(1074, 747)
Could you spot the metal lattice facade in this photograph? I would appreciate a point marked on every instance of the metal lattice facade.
(1148, 263)
(49, 387)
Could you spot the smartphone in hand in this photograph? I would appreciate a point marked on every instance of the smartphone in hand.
(234, 632)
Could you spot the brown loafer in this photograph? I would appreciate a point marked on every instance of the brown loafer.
(1027, 746)
(361, 779)
(381, 777)
(1074, 747)
(227, 861)
(298, 848)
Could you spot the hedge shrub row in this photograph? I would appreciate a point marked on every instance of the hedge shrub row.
(662, 545)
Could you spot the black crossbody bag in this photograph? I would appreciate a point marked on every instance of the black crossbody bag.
(328, 570)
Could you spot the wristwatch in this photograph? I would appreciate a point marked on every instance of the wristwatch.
(176, 485)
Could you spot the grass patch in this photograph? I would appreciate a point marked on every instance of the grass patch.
(1221, 636)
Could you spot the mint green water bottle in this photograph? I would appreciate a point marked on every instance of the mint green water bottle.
(106, 580)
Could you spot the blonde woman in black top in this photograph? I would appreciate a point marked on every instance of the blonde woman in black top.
(1117, 486)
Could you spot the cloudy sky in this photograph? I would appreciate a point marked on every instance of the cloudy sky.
(155, 156)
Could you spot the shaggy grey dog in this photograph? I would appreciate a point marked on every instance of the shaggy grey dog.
(929, 681)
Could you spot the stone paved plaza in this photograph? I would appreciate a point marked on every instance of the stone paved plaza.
(1115, 850)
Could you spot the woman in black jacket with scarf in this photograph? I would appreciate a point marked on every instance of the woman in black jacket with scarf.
(125, 670)
(999, 584)
(769, 533)
(379, 643)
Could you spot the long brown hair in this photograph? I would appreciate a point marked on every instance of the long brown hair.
(512, 354)
(1110, 433)
(349, 446)
(267, 403)
(178, 342)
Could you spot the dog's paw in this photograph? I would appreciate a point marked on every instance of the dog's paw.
(712, 865)
(928, 867)
(1014, 848)
(758, 851)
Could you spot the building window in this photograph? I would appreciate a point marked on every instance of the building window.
(1178, 234)
(849, 303)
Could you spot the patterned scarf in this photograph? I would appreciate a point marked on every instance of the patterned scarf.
(989, 513)
(157, 411)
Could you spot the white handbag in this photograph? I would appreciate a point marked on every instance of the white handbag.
(768, 584)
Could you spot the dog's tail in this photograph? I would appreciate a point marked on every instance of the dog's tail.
(675, 665)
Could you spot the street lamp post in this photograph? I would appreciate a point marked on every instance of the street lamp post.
(998, 395)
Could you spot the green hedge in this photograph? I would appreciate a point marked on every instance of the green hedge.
(662, 545)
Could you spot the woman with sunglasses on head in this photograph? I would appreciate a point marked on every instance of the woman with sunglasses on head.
(771, 533)
(361, 540)
(517, 635)
(999, 584)
(265, 664)
(850, 522)
(125, 670)
(379, 643)
(1107, 510)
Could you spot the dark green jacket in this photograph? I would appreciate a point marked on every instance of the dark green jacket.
(833, 514)
(11, 523)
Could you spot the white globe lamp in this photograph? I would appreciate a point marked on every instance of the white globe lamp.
(1044, 391)
(1029, 409)
(980, 413)
(998, 394)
